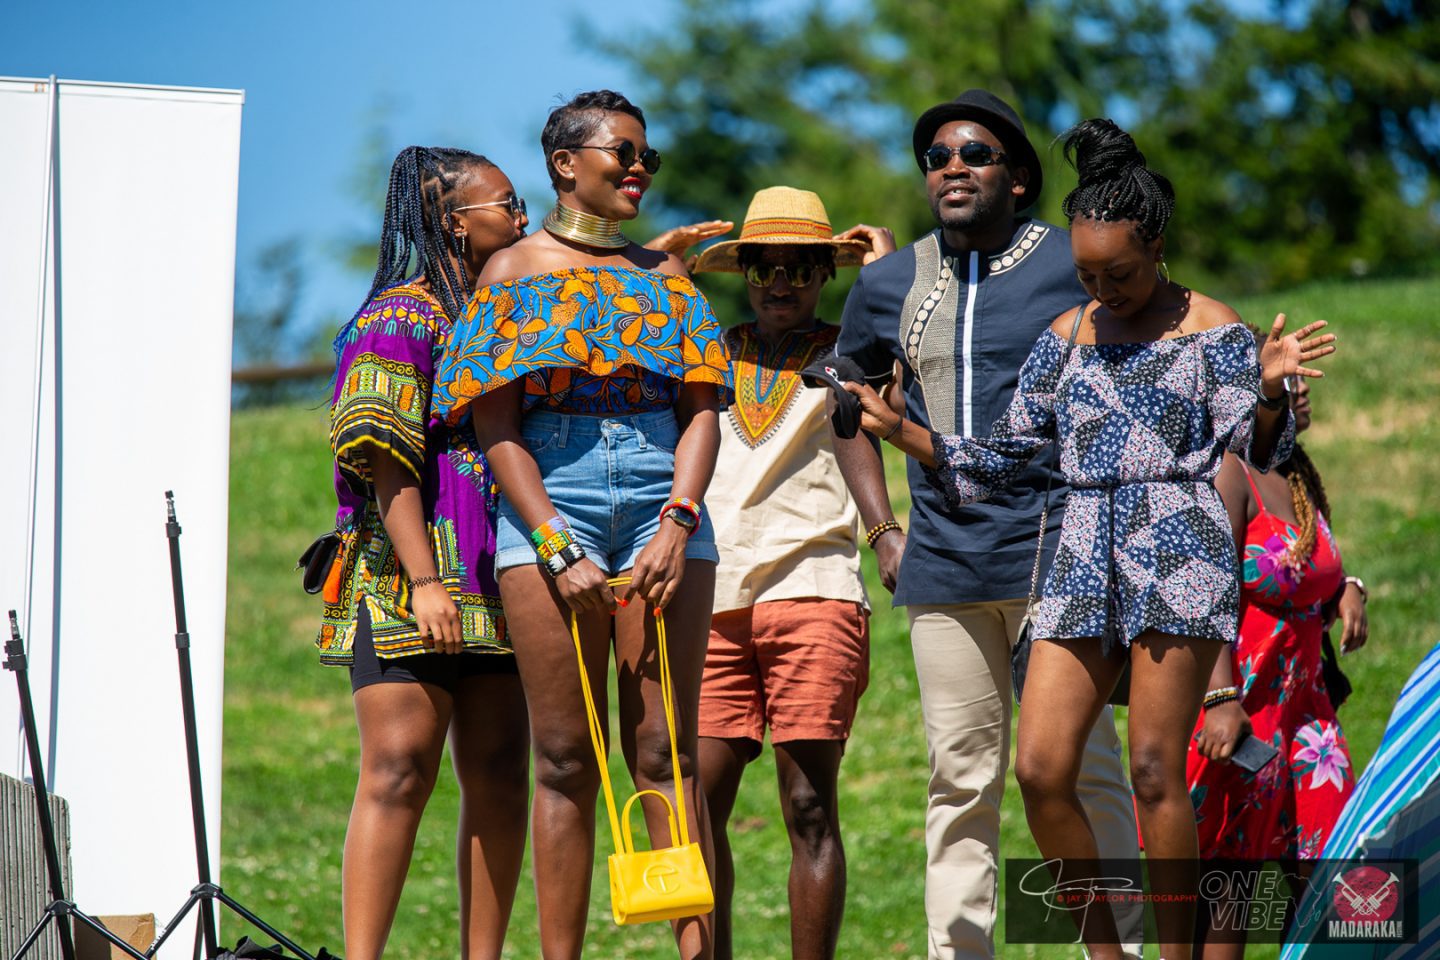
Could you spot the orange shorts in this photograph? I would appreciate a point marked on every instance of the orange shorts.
(797, 666)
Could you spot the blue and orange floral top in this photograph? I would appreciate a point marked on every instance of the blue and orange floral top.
(588, 340)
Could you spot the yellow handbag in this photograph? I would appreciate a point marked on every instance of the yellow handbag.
(645, 885)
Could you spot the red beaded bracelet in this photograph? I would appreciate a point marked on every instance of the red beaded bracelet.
(685, 505)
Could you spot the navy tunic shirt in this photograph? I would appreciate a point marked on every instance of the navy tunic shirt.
(962, 324)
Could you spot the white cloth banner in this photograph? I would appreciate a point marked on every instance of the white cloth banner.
(127, 273)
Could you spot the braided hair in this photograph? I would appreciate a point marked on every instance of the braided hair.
(418, 205)
(1115, 184)
(1307, 494)
(571, 124)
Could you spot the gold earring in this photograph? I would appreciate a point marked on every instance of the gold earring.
(1162, 270)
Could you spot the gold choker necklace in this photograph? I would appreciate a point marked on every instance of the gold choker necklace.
(571, 224)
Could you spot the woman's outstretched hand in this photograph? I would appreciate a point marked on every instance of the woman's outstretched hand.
(879, 241)
(1284, 356)
(876, 416)
(681, 239)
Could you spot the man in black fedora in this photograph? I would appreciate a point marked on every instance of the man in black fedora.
(958, 311)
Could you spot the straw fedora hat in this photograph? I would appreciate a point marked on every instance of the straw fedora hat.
(783, 216)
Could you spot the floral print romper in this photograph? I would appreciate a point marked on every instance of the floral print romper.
(1146, 543)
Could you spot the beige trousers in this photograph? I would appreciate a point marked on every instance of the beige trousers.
(962, 659)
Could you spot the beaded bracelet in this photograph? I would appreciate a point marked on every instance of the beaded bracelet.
(685, 505)
(551, 537)
(417, 582)
(878, 531)
(1221, 695)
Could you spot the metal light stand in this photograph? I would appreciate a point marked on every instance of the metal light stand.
(59, 909)
(205, 893)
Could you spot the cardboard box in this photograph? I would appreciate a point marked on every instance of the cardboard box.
(138, 930)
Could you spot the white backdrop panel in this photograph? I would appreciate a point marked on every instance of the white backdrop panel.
(147, 198)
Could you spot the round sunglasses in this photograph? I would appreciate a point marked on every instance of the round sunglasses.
(971, 154)
(625, 153)
(796, 274)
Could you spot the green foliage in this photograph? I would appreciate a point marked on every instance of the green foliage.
(1302, 144)
(291, 752)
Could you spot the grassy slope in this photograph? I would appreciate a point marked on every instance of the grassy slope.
(291, 750)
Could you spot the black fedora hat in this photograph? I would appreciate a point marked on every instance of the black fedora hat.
(995, 115)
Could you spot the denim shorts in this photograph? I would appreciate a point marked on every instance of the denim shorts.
(608, 477)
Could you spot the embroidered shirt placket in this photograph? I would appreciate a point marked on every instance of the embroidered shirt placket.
(972, 287)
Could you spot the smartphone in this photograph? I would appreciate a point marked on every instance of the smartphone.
(1253, 754)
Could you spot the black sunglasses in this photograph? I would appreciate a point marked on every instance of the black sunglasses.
(796, 274)
(625, 153)
(971, 154)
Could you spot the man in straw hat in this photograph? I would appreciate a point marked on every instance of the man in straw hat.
(959, 311)
(789, 644)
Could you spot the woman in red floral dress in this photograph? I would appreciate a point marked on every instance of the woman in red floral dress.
(1292, 587)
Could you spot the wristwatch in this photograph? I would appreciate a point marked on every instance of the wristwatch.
(1359, 585)
(687, 520)
(1273, 403)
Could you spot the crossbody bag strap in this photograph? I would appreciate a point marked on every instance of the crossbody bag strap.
(597, 737)
(1050, 476)
(597, 730)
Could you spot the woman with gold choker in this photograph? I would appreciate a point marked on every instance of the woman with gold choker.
(593, 367)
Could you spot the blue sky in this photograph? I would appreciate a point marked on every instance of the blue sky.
(321, 81)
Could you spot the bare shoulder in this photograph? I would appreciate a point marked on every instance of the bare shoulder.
(657, 260)
(1207, 313)
(1062, 324)
(521, 259)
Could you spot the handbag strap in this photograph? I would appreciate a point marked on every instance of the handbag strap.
(1050, 475)
(623, 842)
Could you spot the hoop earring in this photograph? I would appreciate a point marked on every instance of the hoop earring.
(1163, 270)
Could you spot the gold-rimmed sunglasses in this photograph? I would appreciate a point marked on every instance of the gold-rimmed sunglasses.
(515, 204)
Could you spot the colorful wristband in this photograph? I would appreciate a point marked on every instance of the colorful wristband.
(551, 537)
(684, 505)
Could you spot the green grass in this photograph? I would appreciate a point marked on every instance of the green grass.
(291, 749)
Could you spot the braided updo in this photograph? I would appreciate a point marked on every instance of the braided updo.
(1115, 184)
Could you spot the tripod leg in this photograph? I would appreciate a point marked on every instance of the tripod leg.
(269, 931)
(34, 935)
(15, 660)
(100, 929)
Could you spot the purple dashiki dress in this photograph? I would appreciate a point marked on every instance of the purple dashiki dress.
(382, 399)
(1143, 428)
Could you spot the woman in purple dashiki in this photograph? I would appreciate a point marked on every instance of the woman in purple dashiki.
(412, 607)
(1144, 388)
